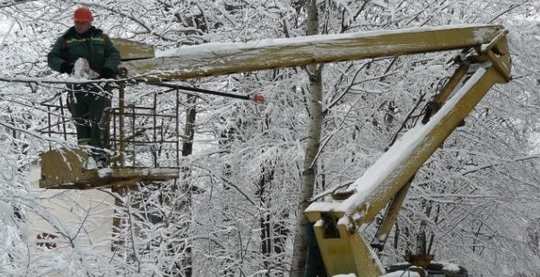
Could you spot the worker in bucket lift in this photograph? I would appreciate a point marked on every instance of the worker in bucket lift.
(86, 52)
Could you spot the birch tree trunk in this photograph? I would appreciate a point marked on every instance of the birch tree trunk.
(312, 147)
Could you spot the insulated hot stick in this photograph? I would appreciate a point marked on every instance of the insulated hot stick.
(257, 98)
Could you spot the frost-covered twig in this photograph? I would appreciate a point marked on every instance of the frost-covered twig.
(7, 4)
(132, 236)
(470, 171)
(229, 184)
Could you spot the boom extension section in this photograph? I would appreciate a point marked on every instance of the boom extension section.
(227, 58)
(337, 222)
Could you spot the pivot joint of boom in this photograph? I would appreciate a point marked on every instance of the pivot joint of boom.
(495, 53)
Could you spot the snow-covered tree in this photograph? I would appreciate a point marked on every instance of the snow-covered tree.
(234, 211)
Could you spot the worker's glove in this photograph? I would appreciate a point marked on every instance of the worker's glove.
(82, 70)
(66, 67)
(108, 73)
(122, 72)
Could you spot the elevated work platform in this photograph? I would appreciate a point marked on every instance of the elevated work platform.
(68, 169)
(147, 135)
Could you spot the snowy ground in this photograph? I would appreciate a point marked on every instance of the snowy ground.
(85, 216)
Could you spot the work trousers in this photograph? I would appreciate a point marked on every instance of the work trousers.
(89, 106)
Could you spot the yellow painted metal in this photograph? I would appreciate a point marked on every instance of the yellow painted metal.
(432, 141)
(492, 66)
(133, 50)
(451, 85)
(500, 66)
(62, 166)
(67, 169)
(391, 214)
(448, 123)
(221, 59)
(365, 211)
(497, 52)
(346, 252)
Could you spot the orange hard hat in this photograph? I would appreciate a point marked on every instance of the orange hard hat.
(83, 14)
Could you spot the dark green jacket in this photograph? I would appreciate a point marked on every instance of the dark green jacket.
(93, 45)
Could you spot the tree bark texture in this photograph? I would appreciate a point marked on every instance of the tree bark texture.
(312, 148)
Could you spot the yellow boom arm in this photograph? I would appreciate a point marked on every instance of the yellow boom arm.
(337, 221)
(226, 58)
